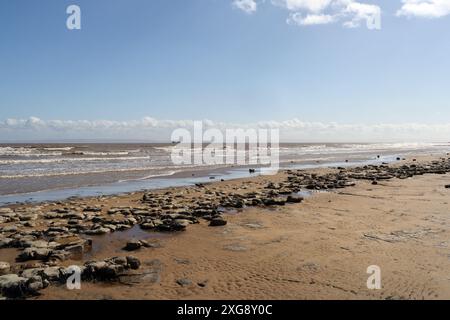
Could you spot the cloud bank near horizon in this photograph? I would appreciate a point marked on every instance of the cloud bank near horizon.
(154, 130)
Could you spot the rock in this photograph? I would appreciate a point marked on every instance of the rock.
(274, 202)
(4, 268)
(98, 231)
(5, 242)
(182, 223)
(153, 244)
(73, 244)
(60, 255)
(294, 199)
(184, 282)
(120, 260)
(133, 262)
(217, 222)
(28, 217)
(133, 245)
(35, 284)
(11, 228)
(52, 273)
(172, 225)
(147, 225)
(4, 211)
(203, 283)
(34, 254)
(110, 271)
(52, 215)
(33, 272)
(39, 244)
(447, 186)
(102, 270)
(13, 286)
(92, 209)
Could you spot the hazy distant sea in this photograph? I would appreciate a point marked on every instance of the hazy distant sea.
(39, 167)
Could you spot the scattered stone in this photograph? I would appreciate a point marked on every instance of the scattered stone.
(133, 262)
(151, 244)
(6, 242)
(98, 231)
(13, 286)
(294, 199)
(274, 201)
(217, 222)
(203, 283)
(34, 254)
(4, 268)
(92, 209)
(184, 282)
(109, 269)
(133, 245)
(11, 228)
(181, 261)
(52, 273)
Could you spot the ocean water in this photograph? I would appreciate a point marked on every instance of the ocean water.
(30, 171)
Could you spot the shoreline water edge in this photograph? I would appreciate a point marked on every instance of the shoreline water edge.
(50, 172)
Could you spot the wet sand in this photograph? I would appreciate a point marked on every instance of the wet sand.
(319, 249)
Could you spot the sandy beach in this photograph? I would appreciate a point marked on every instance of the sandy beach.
(319, 248)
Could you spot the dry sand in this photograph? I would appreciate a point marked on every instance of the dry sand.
(319, 249)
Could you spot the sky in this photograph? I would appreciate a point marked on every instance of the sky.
(314, 68)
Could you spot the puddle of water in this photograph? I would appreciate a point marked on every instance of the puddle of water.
(113, 243)
(308, 193)
(230, 211)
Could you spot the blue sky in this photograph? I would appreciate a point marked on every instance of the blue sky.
(197, 59)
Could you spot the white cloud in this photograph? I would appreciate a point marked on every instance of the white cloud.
(151, 129)
(424, 8)
(360, 12)
(308, 5)
(312, 12)
(248, 6)
(310, 19)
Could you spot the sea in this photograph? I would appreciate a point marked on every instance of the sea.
(57, 171)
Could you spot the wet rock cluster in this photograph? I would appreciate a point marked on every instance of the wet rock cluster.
(29, 282)
(375, 173)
